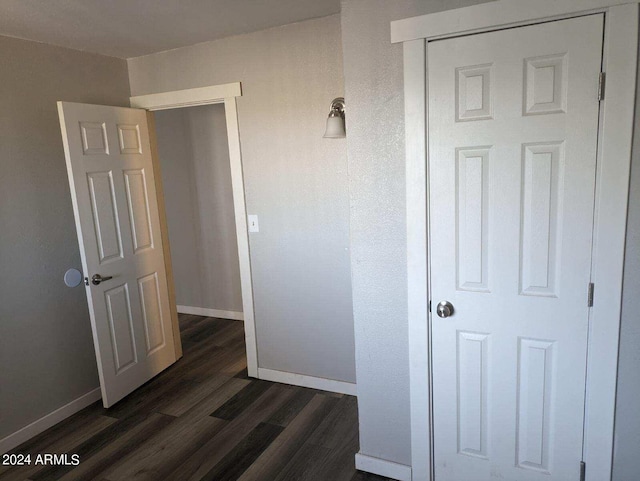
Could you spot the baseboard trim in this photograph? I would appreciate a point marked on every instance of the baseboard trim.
(382, 467)
(307, 381)
(203, 311)
(45, 422)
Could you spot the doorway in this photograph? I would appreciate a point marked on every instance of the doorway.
(615, 126)
(196, 176)
(224, 97)
(117, 193)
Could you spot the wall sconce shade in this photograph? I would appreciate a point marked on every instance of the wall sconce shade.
(335, 123)
(335, 127)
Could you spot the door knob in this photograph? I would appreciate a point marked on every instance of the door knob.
(444, 309)
(97, 279)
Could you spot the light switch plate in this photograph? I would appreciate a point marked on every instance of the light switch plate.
(253, 223)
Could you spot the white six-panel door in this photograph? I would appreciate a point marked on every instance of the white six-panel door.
(116, 209)
(513, 128)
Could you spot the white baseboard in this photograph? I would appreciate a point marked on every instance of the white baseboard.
(307, 381)
(382, 467)
(203, 311)
(45, 422)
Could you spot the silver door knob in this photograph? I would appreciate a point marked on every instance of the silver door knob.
(444, 309)
(97, 279)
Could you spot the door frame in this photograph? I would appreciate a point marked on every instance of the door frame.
(611, 204)
(215, 94)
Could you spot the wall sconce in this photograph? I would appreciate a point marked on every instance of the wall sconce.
(335, 122)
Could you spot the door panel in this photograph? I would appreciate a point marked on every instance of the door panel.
(106, 225)
(115, 204)
(138, 205)
(152, 312)
(472, 191)
(542, 189)
(120, 325)
(513, 125)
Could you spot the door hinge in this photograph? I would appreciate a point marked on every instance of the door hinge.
(601, 84)
(583, 469)
(590, 295)
(429, 306)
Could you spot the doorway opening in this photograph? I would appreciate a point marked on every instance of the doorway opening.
(196, 175)
(203, 123)
(611, 194)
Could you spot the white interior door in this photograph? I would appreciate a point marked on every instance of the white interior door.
(513, 128)
(115, 203)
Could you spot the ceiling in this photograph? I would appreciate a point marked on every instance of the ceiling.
(130, 28)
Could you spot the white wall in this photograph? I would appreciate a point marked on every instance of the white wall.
(46, 352)
(196, 175)
(295, 181)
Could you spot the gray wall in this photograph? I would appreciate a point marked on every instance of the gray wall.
(374, 92)
(627, 427)
(46, 351)
(196, 175)
(295, 181)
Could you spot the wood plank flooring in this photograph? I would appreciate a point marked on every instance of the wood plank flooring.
(204, 419)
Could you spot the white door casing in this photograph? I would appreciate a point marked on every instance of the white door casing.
(226, 94)
(513, 124)
(113, 189)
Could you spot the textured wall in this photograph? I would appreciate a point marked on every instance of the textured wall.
(627, 427)
(196, 175)
(374, 93)
(46, 351)
(295, 181)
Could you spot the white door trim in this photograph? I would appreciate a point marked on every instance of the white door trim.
(612, 191)
(217, 94)
(213, 94)
(491, 16)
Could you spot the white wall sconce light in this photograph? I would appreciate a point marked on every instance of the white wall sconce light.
(335, 123)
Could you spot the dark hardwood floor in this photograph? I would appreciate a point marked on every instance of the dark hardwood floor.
(203, 419)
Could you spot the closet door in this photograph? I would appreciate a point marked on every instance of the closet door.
(513, 129)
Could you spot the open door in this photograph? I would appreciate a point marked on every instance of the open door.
(117, 209)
